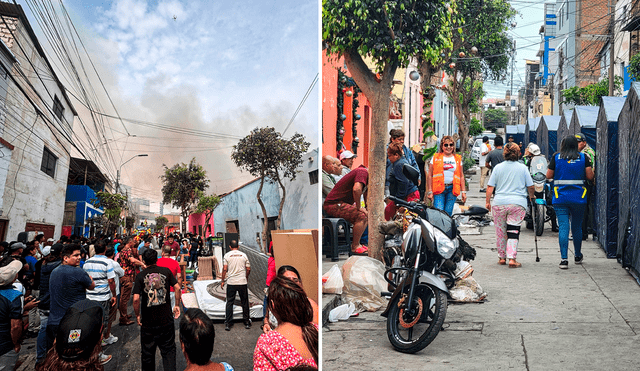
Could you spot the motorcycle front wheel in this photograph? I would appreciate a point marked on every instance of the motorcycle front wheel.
(412, 332)
(540, 215)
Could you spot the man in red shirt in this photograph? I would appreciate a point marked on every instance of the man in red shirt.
(171, 242)
(344, 202)
(166, 261)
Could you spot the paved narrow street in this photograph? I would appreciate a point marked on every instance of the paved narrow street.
(537, 317)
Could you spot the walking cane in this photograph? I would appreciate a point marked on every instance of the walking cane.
(535, 232)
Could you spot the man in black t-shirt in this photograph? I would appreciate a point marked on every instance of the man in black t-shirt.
(152, 305)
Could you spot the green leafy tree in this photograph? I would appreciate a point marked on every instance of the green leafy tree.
(206, 206)
(475, 128)
(182, 185)
(389, 34)
(494, 118)
(590, 95)
(112, 204)
(481, 51)
(634, 67)
(161, 222)
(266, 154)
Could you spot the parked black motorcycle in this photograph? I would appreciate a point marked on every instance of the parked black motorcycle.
(541, 211)
(423, 273)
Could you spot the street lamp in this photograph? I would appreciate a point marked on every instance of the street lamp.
(118, 174)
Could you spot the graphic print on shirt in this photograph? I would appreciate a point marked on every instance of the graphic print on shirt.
(154, 286)
(448, 163)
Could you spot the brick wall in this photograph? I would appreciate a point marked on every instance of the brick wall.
(591, 22)
(5, 33)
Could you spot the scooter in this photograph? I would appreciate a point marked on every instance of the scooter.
(543, 210)
(421, 276)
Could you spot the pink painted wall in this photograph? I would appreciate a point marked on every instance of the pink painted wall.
(196, 220)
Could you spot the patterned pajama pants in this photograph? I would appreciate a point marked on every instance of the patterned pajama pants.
(504, 215)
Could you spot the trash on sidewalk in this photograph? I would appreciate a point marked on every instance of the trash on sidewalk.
(466, 289)
(342, 312)
(332, 281)
(363, 282)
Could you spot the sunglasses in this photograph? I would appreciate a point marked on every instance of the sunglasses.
(447, 145)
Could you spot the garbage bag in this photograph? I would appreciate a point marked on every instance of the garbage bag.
(467, 289)
(342, 312)
(363, 282)
(332, 281)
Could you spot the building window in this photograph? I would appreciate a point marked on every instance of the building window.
(49, 163)
(313, 177)
(57, 107)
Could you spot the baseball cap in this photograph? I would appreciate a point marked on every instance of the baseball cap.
(346, 154)
(79, 330)
(580, 137)
(56, 249)
(17, 246)
(8, 272)
(46, 251)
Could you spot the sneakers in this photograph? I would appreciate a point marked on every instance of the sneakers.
(105, 358)
(227, 327)
(110, 340)
(247, 325)
(578, 260)
(483, 190)
(564, 264)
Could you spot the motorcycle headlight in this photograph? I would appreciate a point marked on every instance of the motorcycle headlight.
(446, 247)
(538, 187)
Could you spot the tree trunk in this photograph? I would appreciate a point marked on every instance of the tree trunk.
(284, 194)
(378, 92)
(263, 239)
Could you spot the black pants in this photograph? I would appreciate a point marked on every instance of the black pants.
(163, 337)
(52, 330)
(244, 301)
(587, 222)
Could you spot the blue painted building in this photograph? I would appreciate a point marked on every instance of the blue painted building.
(80, 209)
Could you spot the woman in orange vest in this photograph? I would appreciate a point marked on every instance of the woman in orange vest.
(445, 181)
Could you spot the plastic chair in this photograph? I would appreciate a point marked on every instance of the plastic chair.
(336, 237)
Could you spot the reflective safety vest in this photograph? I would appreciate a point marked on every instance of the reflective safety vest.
(438, 174)
(569, 181)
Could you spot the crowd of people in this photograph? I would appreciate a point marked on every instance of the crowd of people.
(505, 176)
(68, 294)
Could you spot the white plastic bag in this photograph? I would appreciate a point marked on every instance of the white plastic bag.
(363, 282)
(342, 312)
(332, 281)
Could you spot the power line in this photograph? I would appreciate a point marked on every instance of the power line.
(304, 99)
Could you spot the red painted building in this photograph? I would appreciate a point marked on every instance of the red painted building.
(331, 98)
(195, 225)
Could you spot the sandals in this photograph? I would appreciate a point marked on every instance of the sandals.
(502, 261)
(514, 264)
(362, 250)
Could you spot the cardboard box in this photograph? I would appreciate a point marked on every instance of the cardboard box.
(299, 248)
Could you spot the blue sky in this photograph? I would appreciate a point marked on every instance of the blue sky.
(528, 22)
(217, 66)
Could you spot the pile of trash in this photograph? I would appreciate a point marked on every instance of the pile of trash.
(466, 288)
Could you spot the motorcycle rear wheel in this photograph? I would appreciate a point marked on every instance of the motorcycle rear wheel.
(434, 311)
(540, 215)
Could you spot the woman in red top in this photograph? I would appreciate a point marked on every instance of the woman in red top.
(295, 340)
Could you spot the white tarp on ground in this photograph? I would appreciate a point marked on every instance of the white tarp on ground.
(215, 308)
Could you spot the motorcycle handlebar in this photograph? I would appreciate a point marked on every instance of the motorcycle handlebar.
(403, 203)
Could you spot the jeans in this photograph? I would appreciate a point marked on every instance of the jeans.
(8, 360)
(445, 200)
(193, 256)
(41, 348)
(244, 301)
(364, 240)
(573, 213)
(163, 337)
(52, 330)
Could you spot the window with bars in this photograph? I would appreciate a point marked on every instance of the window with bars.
(49, 163)
(313, 177)
(58, 109)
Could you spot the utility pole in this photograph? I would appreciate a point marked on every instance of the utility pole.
(513, 59)
(612, 43)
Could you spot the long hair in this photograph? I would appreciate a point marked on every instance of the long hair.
(54, 363)
(569, 148)
(288, 268)
(289, 303)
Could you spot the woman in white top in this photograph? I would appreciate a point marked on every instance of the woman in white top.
(511, 181)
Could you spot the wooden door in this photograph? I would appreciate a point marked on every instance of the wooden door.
(46, 229)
